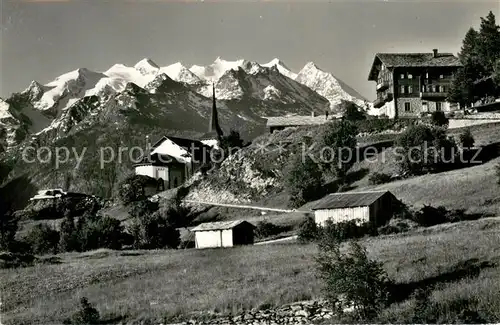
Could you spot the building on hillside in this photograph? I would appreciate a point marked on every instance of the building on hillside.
(223, 234)
(173, 160)
(277, 123)
(412, 84)
(375, 207)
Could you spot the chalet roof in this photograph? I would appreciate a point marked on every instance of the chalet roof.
(181, 142)
(422, 60)
(349, 200)
(297, 120)
(219, 225)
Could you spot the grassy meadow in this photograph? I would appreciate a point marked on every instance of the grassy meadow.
(456, 260)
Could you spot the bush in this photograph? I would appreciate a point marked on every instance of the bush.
(379, 178)
(352, 112)
(154, 231)
(439, 119)
(308, 230)
(133, 188)
(43, 239)
(340, 138)
(86, 315)
(497, 167)
(143, 208)
(266, 229)
(466, 139)
(342, 231)
(8, 229)
(423, 148)
(394, 228)
(303, 181)
(353, 280)
(175, 214)
(13, 260)
(95, 232)
(68, 235)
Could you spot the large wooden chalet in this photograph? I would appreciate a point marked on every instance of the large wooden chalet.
(412, 84)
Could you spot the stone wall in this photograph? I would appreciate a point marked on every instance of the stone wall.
(415, 107)
(304, 312)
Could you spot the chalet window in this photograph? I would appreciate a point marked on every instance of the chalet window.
(434, 89)
(410, 90)
(402, 89)
(441, 89)
(407, 107)
(410, 76)
(423, 88)
(402, 76)
(427, 75)
(438, 106)
(441, 76)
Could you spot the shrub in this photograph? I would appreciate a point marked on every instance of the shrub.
(13, 260)
(175, 214)
(394, 228)
(303, 181)
(68, 241)
(379, 178)
(466, 138)
(439, 119)
(231, 143)
(154, 231)
(99, 232)
(266, 229)
(143, 208)
(133, 188)
(497, 167)
(308, 230)
(43, 239)
(352, 112)
(353, 280)
(430, 216)
(423, 148)
(86, 315)
(342, 231)
(8, 229)
(340, 138)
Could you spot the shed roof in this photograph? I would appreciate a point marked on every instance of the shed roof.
(220, 225)
(297, 120)
(349, 200)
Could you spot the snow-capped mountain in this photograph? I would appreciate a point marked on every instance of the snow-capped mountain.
(328, 86)
(245, 90)
(282, 68)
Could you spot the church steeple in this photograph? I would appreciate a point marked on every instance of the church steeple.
(214, 126)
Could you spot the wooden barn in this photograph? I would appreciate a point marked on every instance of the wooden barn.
(223, 234)
(375, 207)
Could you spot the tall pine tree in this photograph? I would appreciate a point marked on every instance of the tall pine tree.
(489, 43)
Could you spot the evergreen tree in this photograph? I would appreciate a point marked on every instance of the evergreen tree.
(489, 43)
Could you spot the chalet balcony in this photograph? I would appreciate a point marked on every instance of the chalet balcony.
(433, 95)
(383, 85)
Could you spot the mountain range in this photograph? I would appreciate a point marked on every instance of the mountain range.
(173, 98)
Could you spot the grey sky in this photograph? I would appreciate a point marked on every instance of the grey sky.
(42, 39)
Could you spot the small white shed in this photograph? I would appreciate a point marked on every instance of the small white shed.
(375, 207)
(223, 234)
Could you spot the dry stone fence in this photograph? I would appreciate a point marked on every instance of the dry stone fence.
(304, 312)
